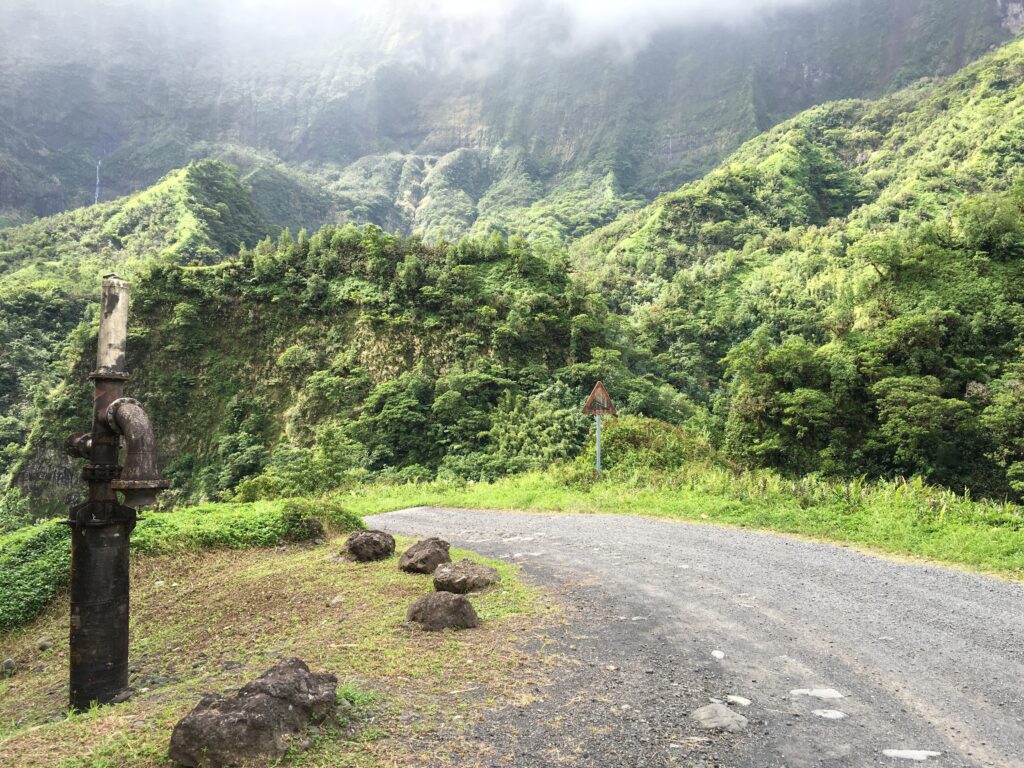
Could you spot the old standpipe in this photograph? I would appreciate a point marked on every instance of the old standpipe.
(102, 525)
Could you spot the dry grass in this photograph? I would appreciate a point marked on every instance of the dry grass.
(209, 622)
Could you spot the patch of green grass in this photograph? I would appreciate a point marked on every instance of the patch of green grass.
(35, 561)
(901, 517)
(210, 621)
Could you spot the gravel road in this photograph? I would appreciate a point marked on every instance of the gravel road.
(846, 659)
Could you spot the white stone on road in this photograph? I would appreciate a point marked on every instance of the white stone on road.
(739, 700)
(829, 714)
(718, 654)
(817, 693)
(719, 717)
(919, 755)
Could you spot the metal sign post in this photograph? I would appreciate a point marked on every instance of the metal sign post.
(101, 526)
(599, 404)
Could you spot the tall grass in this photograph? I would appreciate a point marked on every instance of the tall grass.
(900, 516)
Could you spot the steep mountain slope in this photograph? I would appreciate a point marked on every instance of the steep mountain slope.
(845, 294)
(419, 124)
(349, 351)
(846, 291)
(49, 270)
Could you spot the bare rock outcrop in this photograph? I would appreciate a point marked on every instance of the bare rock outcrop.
(367, 546)
(463, 577)
(260, 723)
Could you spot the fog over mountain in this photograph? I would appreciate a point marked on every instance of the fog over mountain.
(571, 25)
(546, 117)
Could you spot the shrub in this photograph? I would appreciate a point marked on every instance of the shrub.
(632, 443)
(34, 563)
(14, 510)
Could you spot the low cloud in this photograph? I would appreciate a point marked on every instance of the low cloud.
(594, 22)
(569, 24)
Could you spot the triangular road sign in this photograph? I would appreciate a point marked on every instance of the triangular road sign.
(599, 403)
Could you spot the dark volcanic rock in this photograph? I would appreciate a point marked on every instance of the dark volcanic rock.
(260, 723)
(424, 556)
(366, 546)
(463, 576)
(443, 610)
(8, 668)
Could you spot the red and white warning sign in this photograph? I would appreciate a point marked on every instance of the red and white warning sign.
(599, 403)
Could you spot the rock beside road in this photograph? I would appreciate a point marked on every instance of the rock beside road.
(368, 546)
(261, 723)
(443, 610)
(424, 556)
(463, 577)
(8, 668)
(718, 717)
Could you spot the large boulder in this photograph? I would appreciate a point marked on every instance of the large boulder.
(463, 577)
(424, 556)
(367, 546)
(443, 610)
(260, 723)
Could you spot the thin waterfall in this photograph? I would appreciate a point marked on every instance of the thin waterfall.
(97, 197)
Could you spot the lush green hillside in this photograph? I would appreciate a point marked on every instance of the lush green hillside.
(420, 124)
(844, 295)
(845, 292)
(352, 351)
(49, 271)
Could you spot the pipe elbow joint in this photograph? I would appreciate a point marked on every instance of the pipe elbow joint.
(140, 479)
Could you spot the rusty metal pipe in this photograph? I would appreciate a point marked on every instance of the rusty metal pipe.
(101, 526)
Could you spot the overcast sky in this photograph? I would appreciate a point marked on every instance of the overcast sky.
(436, 33)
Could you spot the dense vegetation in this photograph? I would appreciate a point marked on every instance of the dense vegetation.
(844, 294)
(842, 297)
(49, 271)
(308, 361)
(442, 134)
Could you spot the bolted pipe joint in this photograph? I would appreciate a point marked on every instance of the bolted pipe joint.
(79, 445)
(140, 479)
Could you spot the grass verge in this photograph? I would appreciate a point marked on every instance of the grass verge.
(901, 517)
(209, 622)
(34, 561)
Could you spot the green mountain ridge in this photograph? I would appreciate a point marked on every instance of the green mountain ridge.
(844, 292)
(843, 295)
(49, 271)
(375, 122)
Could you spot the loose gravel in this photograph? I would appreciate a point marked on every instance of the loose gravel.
(924, 662)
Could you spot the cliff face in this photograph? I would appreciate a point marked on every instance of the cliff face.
(1013, 15)
(361, 123)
